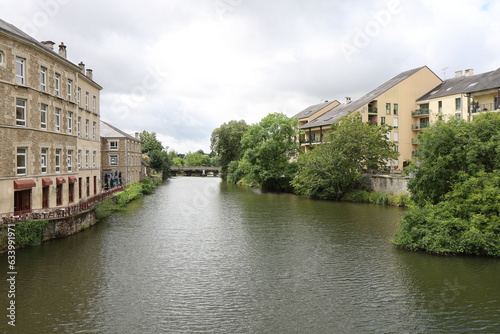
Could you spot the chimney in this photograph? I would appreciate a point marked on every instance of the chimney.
(469, 72)
(89, 74)
(82, 67)
(347, 100)
(62, 50)
(137, 135)
(458, 74)
(49, 44)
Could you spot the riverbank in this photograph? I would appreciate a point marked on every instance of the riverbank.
(69, 221)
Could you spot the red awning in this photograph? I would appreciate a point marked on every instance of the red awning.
(22, 184)
(60, 180)
(46, 181)
(72, 179)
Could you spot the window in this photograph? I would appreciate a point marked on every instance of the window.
(94, 103)
(43, 79)
(44, 160)
(388, 108)
(70, 122)
(440, 106)
(58, 119)
(396, 148)
(95, 185)
(80, 188)
(86, 100)
(70, 160)
(45, 197)
(87, 159)
(113, 160)
(382, 120)
(69, 88)
(1, 57)
(71, 192)
(94, 129)
(395, 136)
(458, 103)
(43, 116)
(21, 161)
(395, 122)
(59, 188)
(88, 186)
(396, 109)
(79, 158)
(79, 96)
(113, 145)
(20, 112)
(58, 160)
(20, 70)
(87, 125)
(22, 201)
(94, 158)
(57, 84)
(79, 126)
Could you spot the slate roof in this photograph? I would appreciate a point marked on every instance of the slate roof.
(109, 131)
(344, 109)
(464, 84)
(311, 110)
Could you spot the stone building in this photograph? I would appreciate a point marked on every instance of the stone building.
(121, 157)
(49, 125)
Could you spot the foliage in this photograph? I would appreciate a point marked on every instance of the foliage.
(268, 147)
(197, 159)
(337, 166)
(149, 142)
(449, 148)
(466, 221)
(226, 143)
(363, 196)
(148, 185)
(30, 232)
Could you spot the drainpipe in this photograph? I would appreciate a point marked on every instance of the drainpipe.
(469, 114)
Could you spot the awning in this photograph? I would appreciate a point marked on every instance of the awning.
(60, 180)
(46, 181)
(23, 184)
(72, 179)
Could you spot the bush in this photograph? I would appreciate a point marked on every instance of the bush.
(364, 196)
(30, 233)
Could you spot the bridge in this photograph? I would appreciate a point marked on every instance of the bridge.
(195, 170)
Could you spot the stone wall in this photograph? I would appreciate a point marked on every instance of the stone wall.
(388, 185)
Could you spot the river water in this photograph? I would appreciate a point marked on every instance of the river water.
(201, 256)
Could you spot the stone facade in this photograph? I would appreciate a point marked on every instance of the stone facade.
(121, 157)
(49, 125)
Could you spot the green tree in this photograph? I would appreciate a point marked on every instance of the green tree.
(159, 160)
(197, 159)
(337, 166)
(149, 142)
(226, 143)
(450, 147)
(268, 148)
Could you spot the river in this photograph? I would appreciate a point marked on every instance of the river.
(201, 256)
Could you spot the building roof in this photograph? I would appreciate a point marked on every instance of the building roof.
(490, 80)
(344, 109)
(109, 131)
(311, 110)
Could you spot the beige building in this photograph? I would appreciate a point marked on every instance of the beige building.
(49, 125)
(121, 157)
(391, 103)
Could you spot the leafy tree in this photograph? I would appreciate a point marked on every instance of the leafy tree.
(197, 159)
(159, 161)
(149, 142)
(449, 148)
(226, 143)
(337, 166)
(268, 147)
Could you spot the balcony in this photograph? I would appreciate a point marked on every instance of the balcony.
(419, 126)
(372, 110)
(477, 108)
(415, 141)
(310, 140)
(372, 122)
(421, 112)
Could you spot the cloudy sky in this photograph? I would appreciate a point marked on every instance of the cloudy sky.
(181, 68)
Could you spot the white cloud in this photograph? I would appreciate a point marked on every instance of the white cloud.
(183, 68)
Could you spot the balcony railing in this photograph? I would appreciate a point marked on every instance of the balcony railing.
(415, 141)
(419, 126)
(477, 108)
(421, 112)
(310, 141)
(372, 122)
(372, 110)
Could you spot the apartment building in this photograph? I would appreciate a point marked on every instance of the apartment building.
(49, 125)
(390, 103)
(121, 157)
